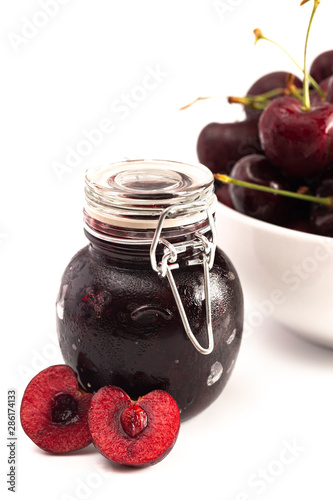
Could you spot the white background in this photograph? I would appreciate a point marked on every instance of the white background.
(63, 76)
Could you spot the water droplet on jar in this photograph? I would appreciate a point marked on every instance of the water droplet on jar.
(150, 314)
(231, 275)
(176, 361)
(216, 371)
(231, 366)
(232, 336)
(74, 347)
(61, 303)
(190, 400)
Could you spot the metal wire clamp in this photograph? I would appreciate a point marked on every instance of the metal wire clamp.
(169, 263)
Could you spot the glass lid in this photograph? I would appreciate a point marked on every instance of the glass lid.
(134, 193)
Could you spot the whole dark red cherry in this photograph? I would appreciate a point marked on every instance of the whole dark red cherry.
(266, 83)
(268, 207)
(321, 218)
(322, 66)
(299, 143)
(220, 145)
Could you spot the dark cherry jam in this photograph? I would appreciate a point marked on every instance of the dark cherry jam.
(117, 318)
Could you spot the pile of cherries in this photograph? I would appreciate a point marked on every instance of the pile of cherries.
(284, 143)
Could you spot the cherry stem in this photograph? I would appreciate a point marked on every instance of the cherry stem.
(295, 92)
(259, 101)
(198, 99)
(306, 97)
(259, 36)
(327, 201)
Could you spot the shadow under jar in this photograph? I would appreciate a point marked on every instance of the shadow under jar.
(150, 302)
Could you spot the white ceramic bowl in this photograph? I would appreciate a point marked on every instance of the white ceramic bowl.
(286, 274)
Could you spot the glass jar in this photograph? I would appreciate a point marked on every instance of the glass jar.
(150, 302)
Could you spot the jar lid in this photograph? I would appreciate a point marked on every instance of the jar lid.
(134, 193)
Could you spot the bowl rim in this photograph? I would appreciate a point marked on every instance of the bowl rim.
(272, 228)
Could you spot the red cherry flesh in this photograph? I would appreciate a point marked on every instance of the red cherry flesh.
(131, 433)
(54, 411)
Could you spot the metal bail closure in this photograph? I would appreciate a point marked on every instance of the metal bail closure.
(168, 263)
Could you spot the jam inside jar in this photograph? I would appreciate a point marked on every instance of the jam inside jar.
(151, 302)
